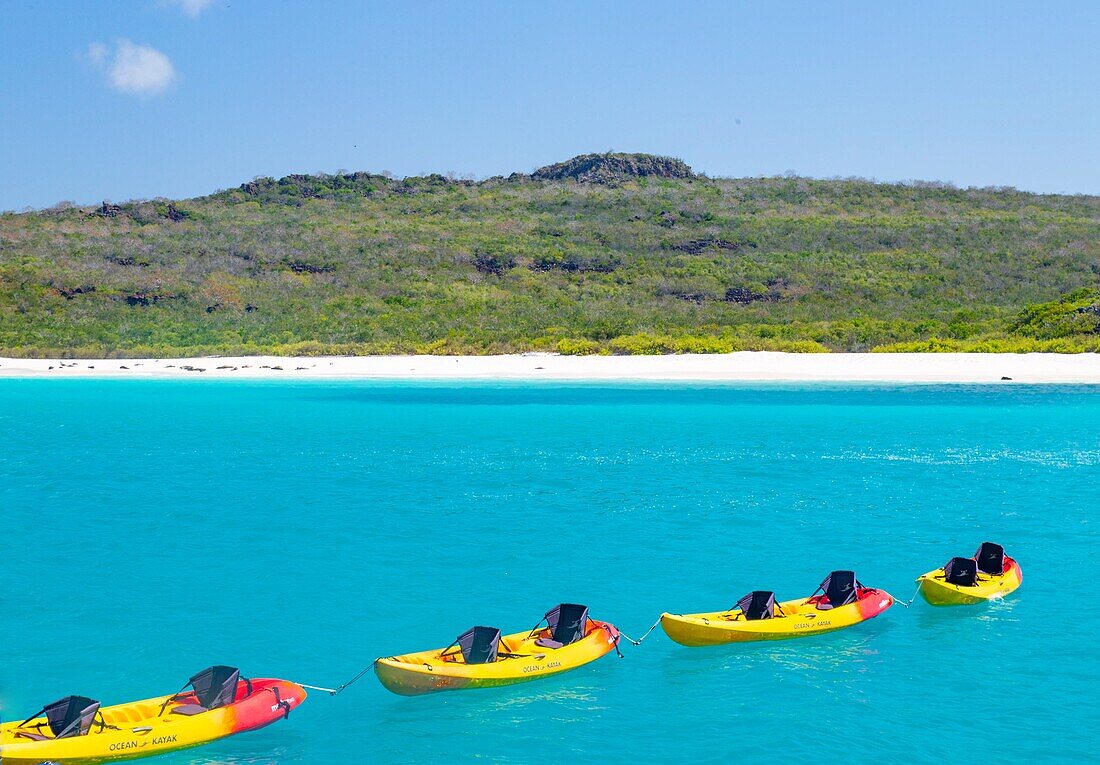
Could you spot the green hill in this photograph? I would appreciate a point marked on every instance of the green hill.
(604, 253)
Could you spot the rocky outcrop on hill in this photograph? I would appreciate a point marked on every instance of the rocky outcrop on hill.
(699, 246)
(614, 168)
(744, 295)
(108, 210)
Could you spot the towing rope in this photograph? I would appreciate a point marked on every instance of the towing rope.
(337, 689)
(909, 602)
(643, 637)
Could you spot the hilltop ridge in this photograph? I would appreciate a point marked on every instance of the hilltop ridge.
(612, 167)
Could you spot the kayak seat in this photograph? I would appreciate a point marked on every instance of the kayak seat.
(68, 717)
(962, 572)
(758, 604)
(548, 643)
(189, 709)
(568, 622)
(990, 558)
(840, 588)
(479, 645)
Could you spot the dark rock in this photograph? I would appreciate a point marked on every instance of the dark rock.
(698, 246)
(146, 298)
(250, 308)
(572, 263)
(612, 168)
(491, 263)
(70, 292)
(1006, 378)
(744, 295)
(127, 260)
(174, 214)
(108, 210)
(691, 295)
(300, 266)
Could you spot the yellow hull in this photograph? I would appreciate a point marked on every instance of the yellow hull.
(939, 593)
(414, 674)
(800, 618)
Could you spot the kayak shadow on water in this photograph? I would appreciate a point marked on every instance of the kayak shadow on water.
(259, 756)
(966, 621)
(560, 695)
(830, 655)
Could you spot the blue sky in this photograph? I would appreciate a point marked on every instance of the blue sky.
(177, 98)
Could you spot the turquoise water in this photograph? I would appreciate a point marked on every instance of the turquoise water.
(300, 530)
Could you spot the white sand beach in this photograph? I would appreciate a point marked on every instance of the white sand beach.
(733, 367)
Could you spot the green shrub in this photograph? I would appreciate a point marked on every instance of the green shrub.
(573, 346)
(642, 344)
(1083, 344)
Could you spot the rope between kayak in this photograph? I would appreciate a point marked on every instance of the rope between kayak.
(336, 690)
(909, 602)
(643, 637)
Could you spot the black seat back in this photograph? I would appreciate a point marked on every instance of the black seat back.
(568, 622)
(479, 645)
(990, 558)
(840, 588)
(216, 686)
(758, 604)
(71, 716)
(961, 571)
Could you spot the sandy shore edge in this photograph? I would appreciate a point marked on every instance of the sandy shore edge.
(732, 367)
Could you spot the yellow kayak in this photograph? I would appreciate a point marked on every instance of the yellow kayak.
(76, 729)
(758, 617)
(483, 658)
(989, 575)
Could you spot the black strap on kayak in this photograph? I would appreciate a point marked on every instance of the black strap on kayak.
(615, 642)
(36, 725)
(643, 637)
(284, 705)
(103, 724)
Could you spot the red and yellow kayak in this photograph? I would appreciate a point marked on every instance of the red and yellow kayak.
(523, 656)
(757, 616)
(792, 619)
(148, 727)
(939, 592)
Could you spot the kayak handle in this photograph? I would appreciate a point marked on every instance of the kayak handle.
(142, 729)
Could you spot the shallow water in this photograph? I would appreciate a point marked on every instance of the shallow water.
(300, 530)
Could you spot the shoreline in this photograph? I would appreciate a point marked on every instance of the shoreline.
(744, 366)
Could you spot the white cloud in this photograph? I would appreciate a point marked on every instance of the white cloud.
(139, 70)
(97, 53)
(190, 7)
